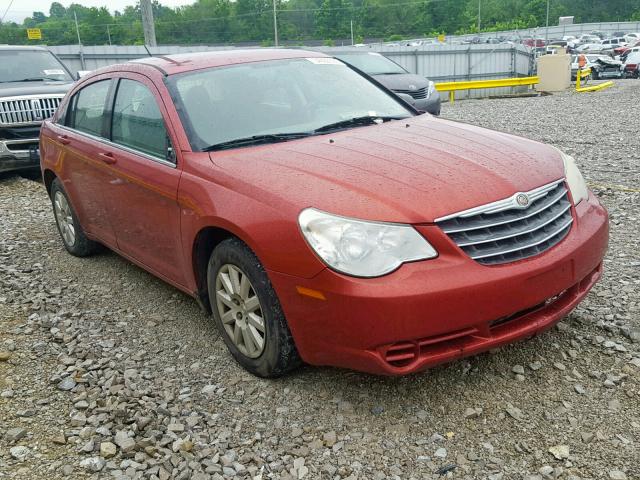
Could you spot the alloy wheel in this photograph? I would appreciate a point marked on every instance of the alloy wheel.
(240, 310)
(65, 219)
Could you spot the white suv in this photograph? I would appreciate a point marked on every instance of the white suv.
(614, 42)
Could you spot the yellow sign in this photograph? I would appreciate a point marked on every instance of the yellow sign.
(34, 34)
(441, 38)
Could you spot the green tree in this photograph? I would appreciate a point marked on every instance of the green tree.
(251, 21)
(333, 19)
(57, 10)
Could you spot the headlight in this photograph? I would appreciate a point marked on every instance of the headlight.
(361, 248)
(431, 90)
(575, 180)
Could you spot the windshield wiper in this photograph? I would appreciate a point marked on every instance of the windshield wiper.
(34, 79)
(256, 140)
(283, 137)
(365, 120)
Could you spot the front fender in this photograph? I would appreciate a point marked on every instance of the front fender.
(269, 229)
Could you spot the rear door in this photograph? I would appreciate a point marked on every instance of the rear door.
(79, 136)
(142, 192)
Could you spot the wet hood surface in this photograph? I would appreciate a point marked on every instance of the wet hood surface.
(16, 89)
(402, 81)
(413, 170)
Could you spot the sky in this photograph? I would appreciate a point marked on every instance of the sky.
(24, 8)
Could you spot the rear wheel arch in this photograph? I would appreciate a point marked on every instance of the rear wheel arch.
(48, 176)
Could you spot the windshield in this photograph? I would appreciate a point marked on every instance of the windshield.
(31, 65)
(371, 63)
(222, 104)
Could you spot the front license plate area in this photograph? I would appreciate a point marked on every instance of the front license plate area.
(34, 154)
(555, 280)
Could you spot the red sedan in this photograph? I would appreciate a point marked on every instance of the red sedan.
(318, 216)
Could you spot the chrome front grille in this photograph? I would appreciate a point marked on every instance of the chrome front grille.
(418, 94)
(518, 227)
(28, 110)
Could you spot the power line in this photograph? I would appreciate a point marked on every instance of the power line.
(6, 11)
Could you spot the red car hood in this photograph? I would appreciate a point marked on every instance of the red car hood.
(409, 171)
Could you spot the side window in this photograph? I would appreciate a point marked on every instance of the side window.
(137, 121)
(89, 108)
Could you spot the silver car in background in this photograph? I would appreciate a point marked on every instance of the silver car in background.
(393, 76)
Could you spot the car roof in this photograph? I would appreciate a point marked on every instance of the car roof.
(355, 52)
(184, 62)
(22, 47)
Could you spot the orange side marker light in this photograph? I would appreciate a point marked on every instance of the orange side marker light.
(309, 292)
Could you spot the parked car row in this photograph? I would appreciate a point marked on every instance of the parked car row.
(605, 67)
(594, 42)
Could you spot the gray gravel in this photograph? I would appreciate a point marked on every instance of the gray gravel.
(106, 372)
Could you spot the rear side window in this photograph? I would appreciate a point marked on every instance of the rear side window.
(137, 121)
(89, 108)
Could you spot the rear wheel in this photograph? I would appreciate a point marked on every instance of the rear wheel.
(73, 237)
(247, 311)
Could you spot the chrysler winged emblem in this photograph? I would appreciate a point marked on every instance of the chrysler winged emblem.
(522, 199)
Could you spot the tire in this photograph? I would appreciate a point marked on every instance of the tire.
(71, 233)
(232, 264)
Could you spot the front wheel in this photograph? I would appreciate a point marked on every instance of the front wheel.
(247, 311)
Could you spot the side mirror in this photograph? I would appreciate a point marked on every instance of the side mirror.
(170, 154)
(82, 73)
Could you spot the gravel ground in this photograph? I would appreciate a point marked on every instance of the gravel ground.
(107, 372)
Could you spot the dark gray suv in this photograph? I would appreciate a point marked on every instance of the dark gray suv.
(394, 77)
(32, 83)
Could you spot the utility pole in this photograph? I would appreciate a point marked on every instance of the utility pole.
(352, 32)
(547, 32)
(147, 23)
(275, 23)
(479, 9)
(109, 34)
(77, 29)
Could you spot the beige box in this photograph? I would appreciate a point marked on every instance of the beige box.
(554, 72)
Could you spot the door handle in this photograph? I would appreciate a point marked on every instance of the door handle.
(63, 139)
(107, 157)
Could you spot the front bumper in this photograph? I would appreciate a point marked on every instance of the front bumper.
(612, 73)
(439, 310)
(19, 155)
(430, 105)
